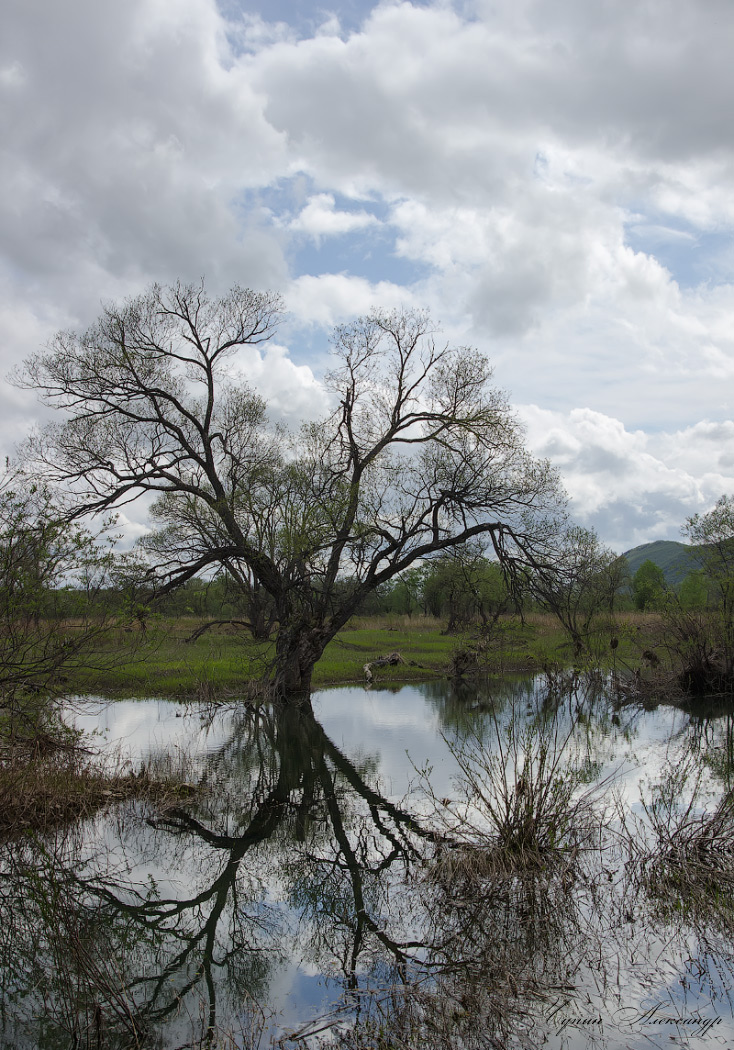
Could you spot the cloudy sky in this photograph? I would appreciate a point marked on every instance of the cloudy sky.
(553, 179)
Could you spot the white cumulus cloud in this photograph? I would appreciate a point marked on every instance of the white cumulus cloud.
(319, 218)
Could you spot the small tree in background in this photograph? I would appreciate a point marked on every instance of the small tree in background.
(649, 587)
(583, 583)
(693, 592)
(404, 593)
(466, 588)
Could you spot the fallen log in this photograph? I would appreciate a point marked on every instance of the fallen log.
(391, 659)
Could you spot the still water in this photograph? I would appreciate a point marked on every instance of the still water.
(339, 867)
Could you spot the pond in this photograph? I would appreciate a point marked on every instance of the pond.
(520, 863)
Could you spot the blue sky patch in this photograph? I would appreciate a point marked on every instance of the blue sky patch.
(692, 256)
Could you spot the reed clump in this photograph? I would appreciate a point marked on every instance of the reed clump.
(46, 783)
(685, 856)
(522, 798)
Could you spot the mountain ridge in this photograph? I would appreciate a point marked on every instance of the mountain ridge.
(675, 559)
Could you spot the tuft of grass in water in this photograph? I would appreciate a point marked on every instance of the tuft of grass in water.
(46, 783)
(522, 797)
(684, 857)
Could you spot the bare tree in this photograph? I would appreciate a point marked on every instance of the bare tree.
(582, 583)
(420, 455)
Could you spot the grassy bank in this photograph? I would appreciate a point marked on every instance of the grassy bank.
(223, 660)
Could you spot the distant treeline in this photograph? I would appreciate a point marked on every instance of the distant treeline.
(460, 590)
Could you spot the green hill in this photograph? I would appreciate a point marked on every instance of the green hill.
(675, 559)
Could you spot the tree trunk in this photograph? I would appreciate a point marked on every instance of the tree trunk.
(297, 649)
(261, 613)
(260, 626)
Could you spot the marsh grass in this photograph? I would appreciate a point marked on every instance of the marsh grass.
(502, 890)
(47, 783)
(163, 660)
(522, 796)
(684, 857)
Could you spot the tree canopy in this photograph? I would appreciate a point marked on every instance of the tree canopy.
(49, 574)
(419, 454)
(648, 586)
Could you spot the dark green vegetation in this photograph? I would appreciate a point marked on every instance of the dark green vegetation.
(691, 651)
(674, 559)
(648, 586)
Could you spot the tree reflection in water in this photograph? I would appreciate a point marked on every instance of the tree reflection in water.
(185, 928)
(290, 820)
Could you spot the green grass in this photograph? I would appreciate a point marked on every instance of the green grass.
(223, 661)
(426, 651)
(163, 663)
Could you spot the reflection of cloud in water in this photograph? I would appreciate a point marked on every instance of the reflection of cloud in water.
(292, 845)
(400, 729)
(146, 728)
(659, 738)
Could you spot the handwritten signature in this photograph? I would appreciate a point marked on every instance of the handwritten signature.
(627, 1016)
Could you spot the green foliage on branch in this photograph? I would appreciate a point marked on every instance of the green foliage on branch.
(54, 590)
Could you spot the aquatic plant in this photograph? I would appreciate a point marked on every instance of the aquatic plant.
(522, 795)
(684, 856)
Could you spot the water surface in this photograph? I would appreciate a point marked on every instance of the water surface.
(305, 882)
